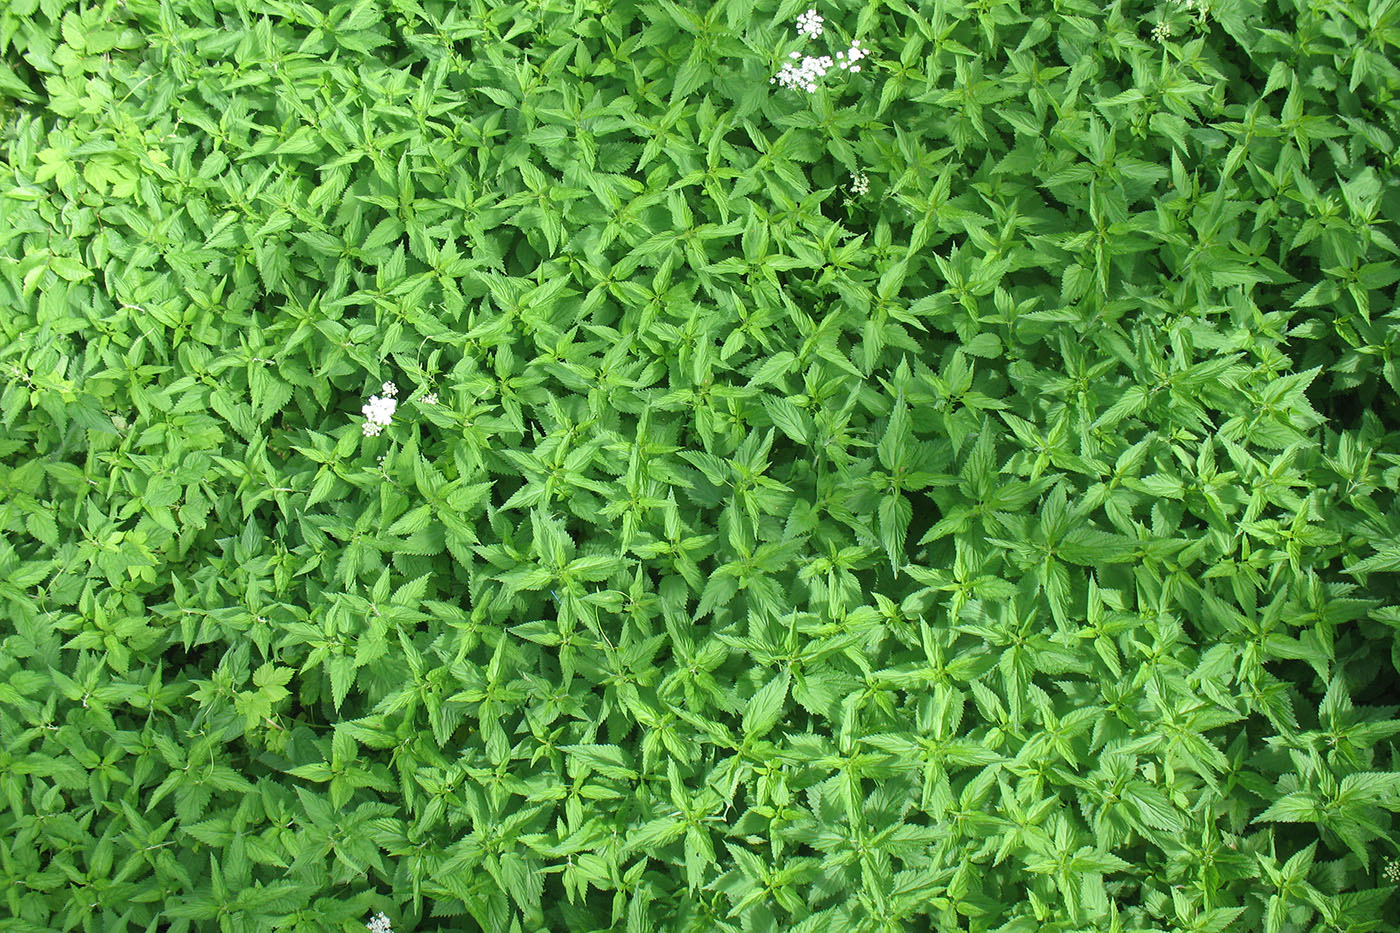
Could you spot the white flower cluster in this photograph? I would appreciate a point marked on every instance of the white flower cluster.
(860, 183)
(379, 924)
(804, 76)
(1162, 31)
(1392, 871)
(804, 72)
(852, 55)
(379, 412)
(810, 24)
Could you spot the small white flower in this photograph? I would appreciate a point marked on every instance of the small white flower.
(379, 924)
(379, 410)
(852, 55)
(1161, 32)
(804, 76)
(810, 24)
(860, 184)
(430, 398)
(1392, 871)
(379, 413)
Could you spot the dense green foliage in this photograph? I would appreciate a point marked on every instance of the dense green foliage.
(963, 497)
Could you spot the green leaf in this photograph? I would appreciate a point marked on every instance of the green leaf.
(608, 760)
(1386, 559)
(766, 707)
(342, 673)
(788, 418)
(896, 445)
(895, 514)
(1297, 807)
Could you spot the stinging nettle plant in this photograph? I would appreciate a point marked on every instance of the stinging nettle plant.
(1015, 549)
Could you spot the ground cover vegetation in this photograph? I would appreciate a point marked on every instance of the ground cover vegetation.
(650, 466)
